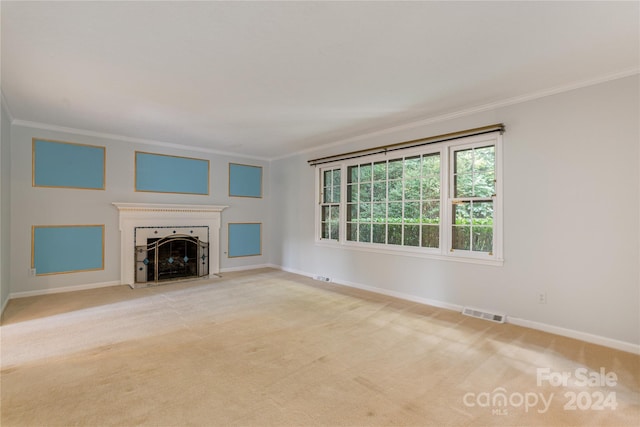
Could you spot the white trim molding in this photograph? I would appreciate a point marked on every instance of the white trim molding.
(74, 288)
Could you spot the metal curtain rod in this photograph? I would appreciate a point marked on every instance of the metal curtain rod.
(408, 144)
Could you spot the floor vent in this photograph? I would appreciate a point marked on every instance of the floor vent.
(499, 318)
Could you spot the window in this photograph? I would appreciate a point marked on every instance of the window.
(439, 200)
(473, 187)
(330, 205)
(395, 202)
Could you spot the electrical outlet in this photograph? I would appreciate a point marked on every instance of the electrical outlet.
(542, 297)
(32, 272)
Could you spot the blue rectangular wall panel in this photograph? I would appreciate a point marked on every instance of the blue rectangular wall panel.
(245, 180)
(66, 249)
(68, 165)
(245, 240)
(171, 174)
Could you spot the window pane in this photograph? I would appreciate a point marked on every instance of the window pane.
(485, 159)
(395, 169)
(335, 194)
(482, 239)
(395, 190)
(364, 212)
(412, 235)
(352, 174)
(380, 171)
(463, 161)
(335, 234)
(365, 192)
(395, 212)
(336, 177)
(463, 185)
(484, 184)
(326, 195)
(335, 213)
(379, 233)
(431, 212)
(461, 237)
(352, 193)
(326, 213)
(394, 234)
(325, 230)
(430, 236)
(412, 189)
(365, 233)
(327, 177)
(352, 211)
(482, 213)
(412, 212)
(431, 165)
(365, 172)
(462, 213)
(352, 232)
(380, 212)
(412, 167)
(380, 191)
(431, 187)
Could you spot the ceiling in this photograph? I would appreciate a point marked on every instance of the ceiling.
(267, 79)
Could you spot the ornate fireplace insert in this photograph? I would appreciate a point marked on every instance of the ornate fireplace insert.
(170, 258)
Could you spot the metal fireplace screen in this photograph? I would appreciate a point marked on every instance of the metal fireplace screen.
(172, 258)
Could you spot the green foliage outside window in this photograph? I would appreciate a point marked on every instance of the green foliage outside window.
(473, 188)
(395, 201)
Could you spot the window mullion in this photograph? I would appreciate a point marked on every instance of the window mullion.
(446, 194)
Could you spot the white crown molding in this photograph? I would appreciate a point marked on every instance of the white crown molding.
(473, 110)
(104, 135)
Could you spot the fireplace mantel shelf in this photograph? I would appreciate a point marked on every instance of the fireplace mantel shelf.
(166, 207)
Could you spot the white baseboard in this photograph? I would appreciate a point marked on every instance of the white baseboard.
(25, 294)
(248, 267)
(571, 333)
(557, 330)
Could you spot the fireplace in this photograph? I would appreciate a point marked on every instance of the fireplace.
(162, 243)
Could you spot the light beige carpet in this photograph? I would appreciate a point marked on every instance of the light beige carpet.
(271, 348)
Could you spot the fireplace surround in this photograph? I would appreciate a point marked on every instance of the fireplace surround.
(143, 225)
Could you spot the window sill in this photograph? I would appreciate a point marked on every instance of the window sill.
(405, 251)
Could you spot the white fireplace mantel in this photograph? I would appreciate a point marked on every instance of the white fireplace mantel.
(133, 215)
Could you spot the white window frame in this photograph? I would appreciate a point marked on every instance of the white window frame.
(321, 202)
(444, 252)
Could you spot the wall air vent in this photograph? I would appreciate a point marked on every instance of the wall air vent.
(481, 314)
